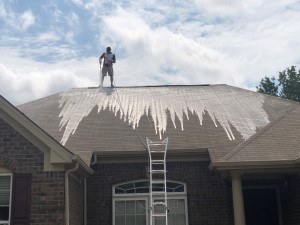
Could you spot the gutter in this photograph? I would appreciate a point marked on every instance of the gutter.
(253, 165)
(94, 160)
(78, 159)
(117, 156)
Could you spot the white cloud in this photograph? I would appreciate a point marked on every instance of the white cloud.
(27, 20)
(239, 53)
(49, 36)
(18, 21)
(73, 20)
(78, 2)
(152, 51)
(156, 42)
(2, 10)
(24, 79)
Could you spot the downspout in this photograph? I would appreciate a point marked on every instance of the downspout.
(67, 203)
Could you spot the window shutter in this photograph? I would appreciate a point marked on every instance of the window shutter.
(21, 197)
(4, 190)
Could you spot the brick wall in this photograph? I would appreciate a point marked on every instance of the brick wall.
(47, 190)
(208, 196)
(76, 201)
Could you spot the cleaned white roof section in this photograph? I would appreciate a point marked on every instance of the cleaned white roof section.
(225, 105)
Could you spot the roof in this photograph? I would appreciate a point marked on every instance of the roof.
(87, 120)
(277, 143)
(56, 153)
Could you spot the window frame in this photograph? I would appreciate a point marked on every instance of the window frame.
(145, 196)
(10, 197)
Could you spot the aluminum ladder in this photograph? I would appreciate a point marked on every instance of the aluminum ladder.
(157, 152)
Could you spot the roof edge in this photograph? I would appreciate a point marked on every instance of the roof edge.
(275, 164)
(38, 132)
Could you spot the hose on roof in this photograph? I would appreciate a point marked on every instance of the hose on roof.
(119, 102)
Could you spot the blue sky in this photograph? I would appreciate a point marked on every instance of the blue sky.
(51, 46)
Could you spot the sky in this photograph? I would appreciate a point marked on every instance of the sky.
(50, 46)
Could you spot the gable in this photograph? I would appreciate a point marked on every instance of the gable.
(54, 156)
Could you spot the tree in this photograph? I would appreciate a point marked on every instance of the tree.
(289, 81)
(286, 86)
(267, 86)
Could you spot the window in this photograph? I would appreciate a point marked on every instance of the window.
(5, 198)
(131, 212)
(131, 203)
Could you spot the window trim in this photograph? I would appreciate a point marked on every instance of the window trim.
(10, 196)
(145, 196)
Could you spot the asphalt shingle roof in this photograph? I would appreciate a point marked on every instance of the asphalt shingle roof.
(277, 142)
(87, 120)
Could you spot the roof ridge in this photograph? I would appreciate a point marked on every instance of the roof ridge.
(168, 85)
(254, 137)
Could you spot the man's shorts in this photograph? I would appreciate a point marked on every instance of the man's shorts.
(107, 70)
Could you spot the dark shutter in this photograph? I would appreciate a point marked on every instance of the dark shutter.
(21, 197)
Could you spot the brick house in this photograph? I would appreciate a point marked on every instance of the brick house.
(79, 157)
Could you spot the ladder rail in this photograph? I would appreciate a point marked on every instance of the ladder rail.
(159, 169)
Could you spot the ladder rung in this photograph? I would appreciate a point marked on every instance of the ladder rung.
(158, 192)
(158, 181)
(156, 143)
(158, 171)
(159, 203)
(154, 151)
(159, 214)
(157, 161)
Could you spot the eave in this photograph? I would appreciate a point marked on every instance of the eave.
(254, 165)
(142, 156)
(55, 153)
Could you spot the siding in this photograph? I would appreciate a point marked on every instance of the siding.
(76, 201)
(208, 196)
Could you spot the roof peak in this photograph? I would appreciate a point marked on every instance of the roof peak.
(154, 86)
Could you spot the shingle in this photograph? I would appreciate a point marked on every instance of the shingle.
(278, 141)
(88, 119)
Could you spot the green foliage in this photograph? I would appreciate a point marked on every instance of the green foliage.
(289, 81)
(267, 86)
(288, 85)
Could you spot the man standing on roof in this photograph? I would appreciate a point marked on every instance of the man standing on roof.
(107, 67)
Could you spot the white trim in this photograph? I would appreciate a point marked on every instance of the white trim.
(145, 196)
(10, 196)
(147, 193)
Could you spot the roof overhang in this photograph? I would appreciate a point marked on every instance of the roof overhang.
(55, 155)
(254, 165)
(142, 156)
